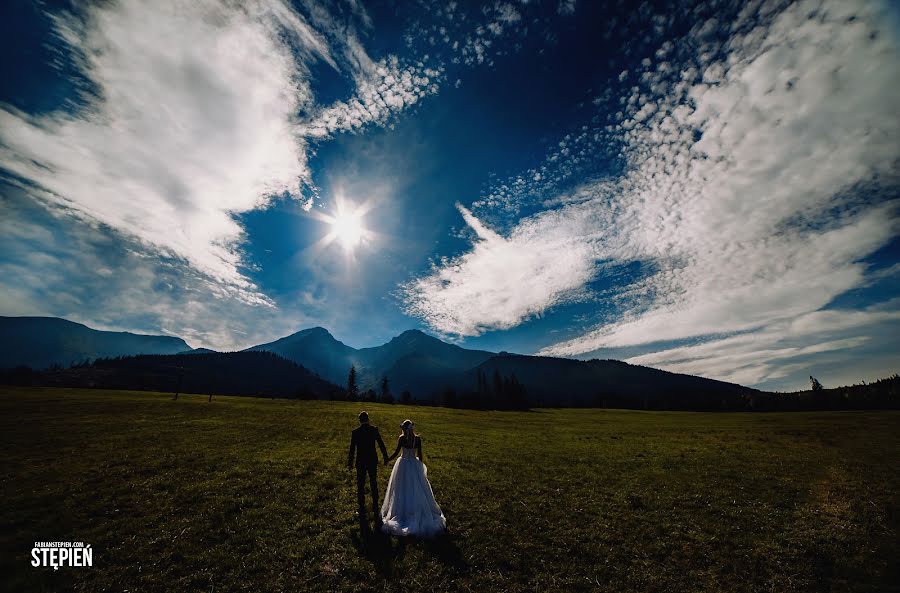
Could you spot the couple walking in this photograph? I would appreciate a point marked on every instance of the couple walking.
(409, 507)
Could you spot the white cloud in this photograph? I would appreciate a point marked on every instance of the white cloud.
(383, 89)
(506, 14)
(503, 280)
(781, 348)
(477, 34)
(762, 218)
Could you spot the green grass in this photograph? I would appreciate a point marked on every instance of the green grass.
(251, 495)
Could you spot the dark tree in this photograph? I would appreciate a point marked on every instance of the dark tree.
(352, 387)
(406, 397)
(386, 396)
(814, 384)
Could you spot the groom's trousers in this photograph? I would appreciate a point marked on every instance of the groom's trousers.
(361, 471)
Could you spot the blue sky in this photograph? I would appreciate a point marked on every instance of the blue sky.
(706, 187)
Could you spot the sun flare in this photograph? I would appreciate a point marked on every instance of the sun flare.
(347, 227)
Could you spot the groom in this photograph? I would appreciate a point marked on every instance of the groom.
(362, 442)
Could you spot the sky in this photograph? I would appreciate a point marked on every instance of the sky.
(704, 187)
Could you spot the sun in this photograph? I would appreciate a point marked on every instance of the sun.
(347, 228)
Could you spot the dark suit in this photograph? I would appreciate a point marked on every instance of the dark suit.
(362, 443)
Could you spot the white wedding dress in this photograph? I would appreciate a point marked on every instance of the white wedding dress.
(409, 507)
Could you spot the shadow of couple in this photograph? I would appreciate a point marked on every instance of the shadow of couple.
(383, 550)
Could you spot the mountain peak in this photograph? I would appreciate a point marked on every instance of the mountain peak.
(312, 335)
(413, 332)
(317, 332)
(413, 336)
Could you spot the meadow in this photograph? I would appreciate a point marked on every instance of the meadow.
(247, 494)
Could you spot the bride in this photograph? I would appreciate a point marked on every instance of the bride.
(409, 507)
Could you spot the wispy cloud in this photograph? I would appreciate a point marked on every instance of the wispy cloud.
(786, 347)
(503, 280)
(755, 153)
(478, 34)
(383, 89)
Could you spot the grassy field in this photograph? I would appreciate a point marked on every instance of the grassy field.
(249, 494)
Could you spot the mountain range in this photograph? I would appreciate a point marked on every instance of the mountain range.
(414, 362)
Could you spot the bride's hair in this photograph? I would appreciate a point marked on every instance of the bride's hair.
(408, 430)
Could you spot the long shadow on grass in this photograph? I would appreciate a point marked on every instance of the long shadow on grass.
(445, 549)
(383, 550)
(377, 548)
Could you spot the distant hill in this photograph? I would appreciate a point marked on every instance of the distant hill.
(416, 343)
(417, 362)
(607, 383)
(226, 373)
(40, 342)
(317, 350)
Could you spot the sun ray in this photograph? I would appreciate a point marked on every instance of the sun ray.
(345, 224)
